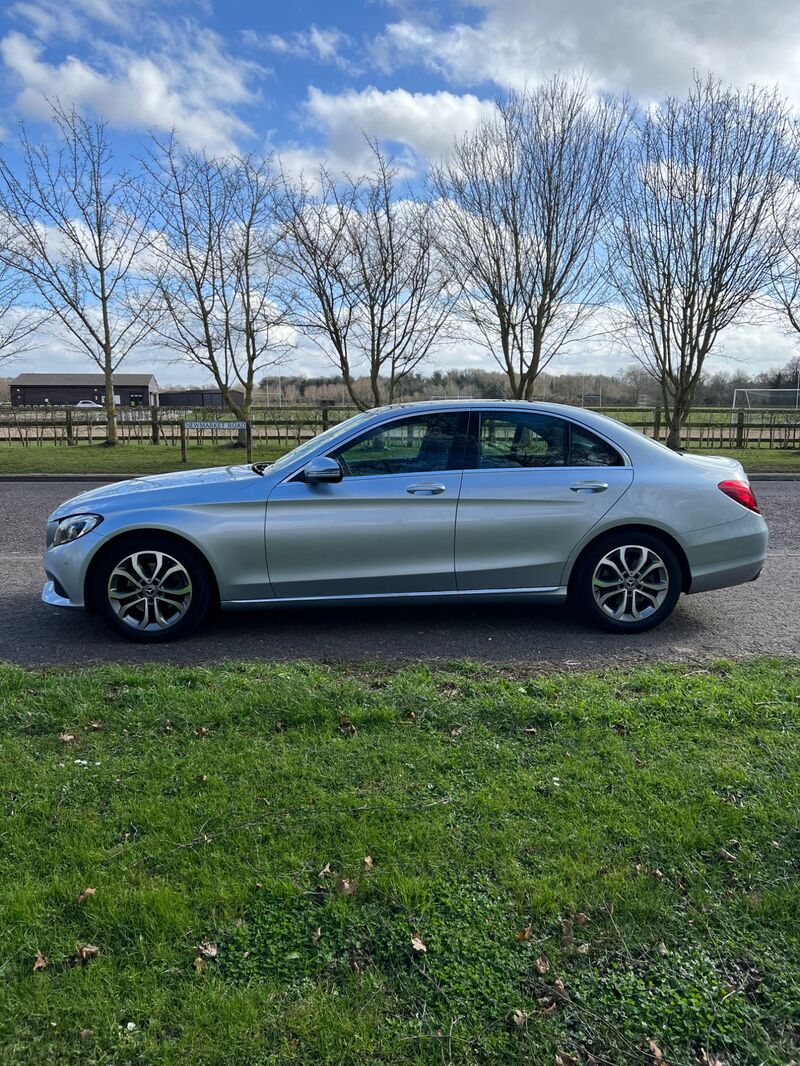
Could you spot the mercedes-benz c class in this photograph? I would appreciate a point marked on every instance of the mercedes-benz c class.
(424, 503)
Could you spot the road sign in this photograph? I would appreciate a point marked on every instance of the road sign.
(218, 424)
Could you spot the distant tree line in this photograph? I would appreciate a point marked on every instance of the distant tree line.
(563, 217)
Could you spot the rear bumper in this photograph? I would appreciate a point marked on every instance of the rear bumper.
(730, 554)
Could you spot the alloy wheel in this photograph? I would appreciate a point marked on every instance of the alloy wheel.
(630, 583)
(149, 590)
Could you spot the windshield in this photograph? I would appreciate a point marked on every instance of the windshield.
(311, 445)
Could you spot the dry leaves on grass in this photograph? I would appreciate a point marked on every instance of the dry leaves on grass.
(419, 945)
(347, 888)
(85, 894)
(368, 863)
(346, 727)
(40, 963)
(66, 738)
(84, 954)
(563, 1058)
(520, 1018)
(524, 934)
(656, 1052)
(208, 949)
(315, 938)
(542, 964)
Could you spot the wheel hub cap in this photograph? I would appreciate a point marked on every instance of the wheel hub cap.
(149, 590)
(630, 583)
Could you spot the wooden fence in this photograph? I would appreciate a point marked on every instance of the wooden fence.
(281, 428)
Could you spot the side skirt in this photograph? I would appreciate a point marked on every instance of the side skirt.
(554, 594)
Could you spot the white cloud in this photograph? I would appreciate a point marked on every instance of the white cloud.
(191, 85)
(422, 126)
(649, 46)
(324, 45)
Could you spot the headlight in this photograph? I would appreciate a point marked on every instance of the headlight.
(75, 526)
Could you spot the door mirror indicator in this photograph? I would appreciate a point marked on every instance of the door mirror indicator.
(322, 469)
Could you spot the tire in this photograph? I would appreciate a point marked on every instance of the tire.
(151, 588)
(608, 589)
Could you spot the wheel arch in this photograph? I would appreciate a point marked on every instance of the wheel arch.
(130, 534)
(635, 527)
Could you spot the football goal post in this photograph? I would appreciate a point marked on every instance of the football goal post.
(764, 400)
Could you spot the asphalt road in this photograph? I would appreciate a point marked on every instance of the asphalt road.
(755, 619)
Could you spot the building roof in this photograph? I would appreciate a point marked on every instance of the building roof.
(82, 379)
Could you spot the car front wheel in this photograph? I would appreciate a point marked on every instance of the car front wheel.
(628, 582)
(151, 588)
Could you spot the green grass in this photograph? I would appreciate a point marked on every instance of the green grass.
(759, 460)
(235, 807)
(157, 459)
(123, 459)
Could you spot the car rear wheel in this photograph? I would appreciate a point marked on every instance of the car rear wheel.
(628, 582)
(151, 588)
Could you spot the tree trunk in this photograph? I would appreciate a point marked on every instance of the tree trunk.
(677, 416)
(111, 411)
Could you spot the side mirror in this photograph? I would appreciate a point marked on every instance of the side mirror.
(322, 469)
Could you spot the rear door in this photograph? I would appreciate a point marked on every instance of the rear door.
(388, 527)
(533, 486)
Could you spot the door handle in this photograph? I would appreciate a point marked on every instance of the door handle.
(425, 490)
(589, 486)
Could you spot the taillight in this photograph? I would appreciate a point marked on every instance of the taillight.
(741, 492)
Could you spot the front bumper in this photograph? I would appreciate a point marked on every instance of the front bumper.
(51, 597)
(65, 568)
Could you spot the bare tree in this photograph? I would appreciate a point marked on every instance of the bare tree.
(523, 200)
(702, 181)
(371, 291)
(19, 322)
(76, 232)
(218, 279)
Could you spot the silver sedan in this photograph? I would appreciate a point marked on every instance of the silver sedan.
(416, 503)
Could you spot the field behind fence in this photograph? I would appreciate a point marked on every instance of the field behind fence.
(281, 428)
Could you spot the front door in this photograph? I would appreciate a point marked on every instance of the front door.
(387, 528)
(533, 487)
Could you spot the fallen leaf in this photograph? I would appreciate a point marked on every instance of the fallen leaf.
(419, 945)
(326, 871)
(542, 964)
(199, 963)
(346, 727)
(86, 893)
(456, 731)
(84, 954)
(520, 1018)
(66, 738)
(202, 778)
(618, 727)
(202, 731)
(563, 1059)
(280, 726)
(656, 1052)
(87, 1034)
(524, 934)
(711, 1059)
(583, 949)
(347, 888)
(40, 963)
(658, 875)
(95, 726)
(582, 919)
(662, 948)
(316, 936)
(207, 949)
(640, 764)
(368, 863)
(549, 1010)
(559, 989)
(727, 856)
(567, 934)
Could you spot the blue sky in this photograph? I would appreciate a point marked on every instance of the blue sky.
(308, 78)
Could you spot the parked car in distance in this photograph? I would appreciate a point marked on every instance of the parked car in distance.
(420, 502)
(84, 405)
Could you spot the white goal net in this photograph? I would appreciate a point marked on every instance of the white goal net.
(766, 399)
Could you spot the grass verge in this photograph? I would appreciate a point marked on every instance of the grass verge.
(159, 459)
(588, 863)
